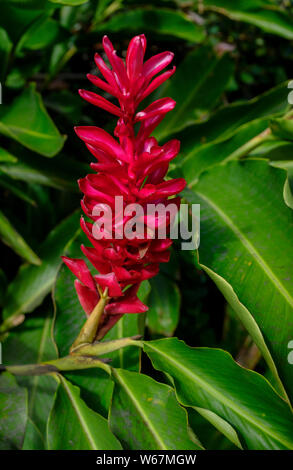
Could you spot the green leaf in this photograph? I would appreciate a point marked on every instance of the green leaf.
(74, 426)
(17, 16)
(5, 49)
(3, 286)
(242, 215)
(241, 397)
(31, 343)
(221, 425)
(262, 13)
(145, 414)
(196, 89)
(6, 156)
(16, 189)
(12, 238)
(205, 156)
(96, 388)
(13, 413)
(159, 20)
(209, 435)
(69, 2)
(43, 32)
(164, 306)
(248, 322)
(223, 123)
(33, 438)
(95, 385)
(27, 121)
(60, 173)
(33, 283)
(282, 128)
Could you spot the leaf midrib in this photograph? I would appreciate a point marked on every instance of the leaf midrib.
(140, 410)
(251, 249)
(16, 130)
(221, 398)
(87, 432)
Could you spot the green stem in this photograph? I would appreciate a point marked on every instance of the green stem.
(89, 330)
(66, 363)
(100, 348)
(250, 145)
(11, 322)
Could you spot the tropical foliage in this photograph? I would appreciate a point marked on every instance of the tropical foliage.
(227, 382)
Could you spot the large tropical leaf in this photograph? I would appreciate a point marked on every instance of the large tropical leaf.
(164, 306)
(246, 234)
(262, 13)
(74, 426)
(27, 121)
(196, 87)
(224, 123)
(145, 414)
(31, 343)
(159, 20)
(210, 379)
(13, 413)
(12, 238)
(33, 283)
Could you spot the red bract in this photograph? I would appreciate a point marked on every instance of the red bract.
(133, 166)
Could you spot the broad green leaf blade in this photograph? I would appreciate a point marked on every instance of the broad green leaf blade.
(74, 426)
(205, 156)
(224, 122)
(243, 214)
(221, 425)
(159, 20)
(208, 433)
(33, 439)
(43, 32)
(27, 121)
(31, 343)
(13, 413)
(262, 13)
(33, 283)
(145, 414)
(195, 88)
(164, 306)
(18, 15)
(248, 322)
(210, 379)
(12, 238)
(96, 388)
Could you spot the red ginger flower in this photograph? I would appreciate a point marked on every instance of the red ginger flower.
(135, 168)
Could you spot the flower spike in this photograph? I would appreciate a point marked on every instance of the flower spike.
(132, 166)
